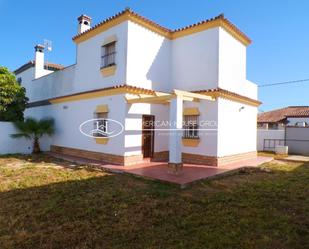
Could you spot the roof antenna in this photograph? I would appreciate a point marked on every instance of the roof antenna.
(48, 45)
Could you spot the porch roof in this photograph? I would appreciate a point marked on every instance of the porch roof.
(165, 98)
(209, 94)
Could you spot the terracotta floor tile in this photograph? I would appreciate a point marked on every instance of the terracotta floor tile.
(160, 170)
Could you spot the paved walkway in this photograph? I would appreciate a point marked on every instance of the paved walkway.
(296, 158)
(160, 170)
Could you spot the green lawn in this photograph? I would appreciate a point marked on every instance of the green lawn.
(43, 205)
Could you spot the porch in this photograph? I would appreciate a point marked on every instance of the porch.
(161, 171)
(179, 132)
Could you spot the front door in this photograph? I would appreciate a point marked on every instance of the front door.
(148, 135)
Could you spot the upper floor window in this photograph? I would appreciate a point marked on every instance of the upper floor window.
(19, 80)
(108, 55)
(190, 126)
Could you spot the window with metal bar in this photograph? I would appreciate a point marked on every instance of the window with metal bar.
(108, 55)
(100, 124)
(190, 126)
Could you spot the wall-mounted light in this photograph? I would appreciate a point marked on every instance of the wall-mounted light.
(241, 108)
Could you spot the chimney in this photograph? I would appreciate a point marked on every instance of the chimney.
(84, 23)
(39, 61)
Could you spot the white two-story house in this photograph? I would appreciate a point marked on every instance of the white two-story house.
(150, 79)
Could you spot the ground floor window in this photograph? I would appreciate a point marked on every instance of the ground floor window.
(100, 124)
(190, 126)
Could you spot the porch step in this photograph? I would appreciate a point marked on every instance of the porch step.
(75, 159)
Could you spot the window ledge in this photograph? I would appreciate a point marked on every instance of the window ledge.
(190, 142)
(108, 71)
(102, 140)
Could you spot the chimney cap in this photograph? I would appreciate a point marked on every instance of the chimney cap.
(84, 17)
(39, 47)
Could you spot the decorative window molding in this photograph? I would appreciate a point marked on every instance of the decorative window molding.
(189, 142)
(101, 108)
(109, 39)
(108, 71)
(191, 111)
(102, 140)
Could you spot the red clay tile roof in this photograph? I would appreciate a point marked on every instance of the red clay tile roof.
(222, 92)
(219, 17)
(281, 114)
(127, 10)
(163, 29)
(53, 66)
(122, 86)
(29, 64)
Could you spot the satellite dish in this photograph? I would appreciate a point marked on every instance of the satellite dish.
(48, 45)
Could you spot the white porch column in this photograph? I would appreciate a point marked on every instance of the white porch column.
(175, 136)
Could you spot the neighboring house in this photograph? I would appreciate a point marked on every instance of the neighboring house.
(286, 126)
(135, 71)
(288, 116)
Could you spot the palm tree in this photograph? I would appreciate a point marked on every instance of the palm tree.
(34, 129)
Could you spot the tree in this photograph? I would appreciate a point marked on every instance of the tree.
(34, 129)
(13, 98)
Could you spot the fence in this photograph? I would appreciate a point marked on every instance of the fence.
(10, 145)
(271, 144)
(296, 138)
(263, 137)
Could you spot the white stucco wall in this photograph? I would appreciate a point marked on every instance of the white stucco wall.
(232, 62)
(195, 60)
(133, 127)
(148, 59)
(85, 74)
(88, 75)
(208, 59)
(59, 83)
(232, 66)
(236, 128)
(9, 145)
(208, 138)
(40, 113)
(69, 115)
(26, 76)
(250, 90)
(133, 124)
(297, 140)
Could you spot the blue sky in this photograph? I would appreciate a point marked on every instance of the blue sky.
(279, 30)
